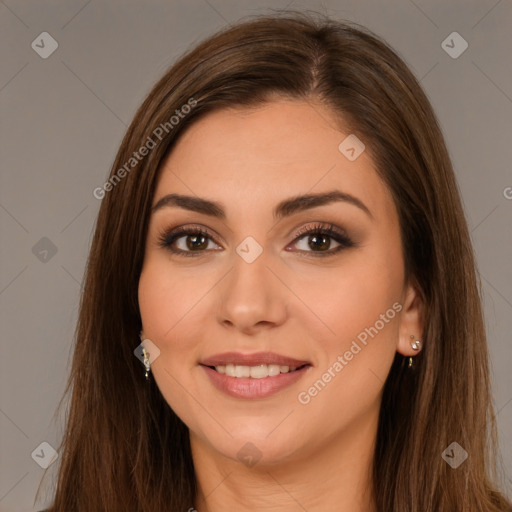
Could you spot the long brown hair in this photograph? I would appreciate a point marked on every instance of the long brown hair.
(124, 449)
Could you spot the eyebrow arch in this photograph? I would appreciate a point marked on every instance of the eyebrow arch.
(283, 209)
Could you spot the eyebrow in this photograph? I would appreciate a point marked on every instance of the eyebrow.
(283, 209)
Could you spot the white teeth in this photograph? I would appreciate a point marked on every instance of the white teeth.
(242, 371)
(256, 372)
(273, 370)
(230, 370)
(259, 372)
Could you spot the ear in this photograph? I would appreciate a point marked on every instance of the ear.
(411, 321)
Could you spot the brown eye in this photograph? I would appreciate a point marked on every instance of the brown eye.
(318, 239)
(195, 240)
(318, 242)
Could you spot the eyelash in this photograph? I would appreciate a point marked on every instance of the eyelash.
(167, 238)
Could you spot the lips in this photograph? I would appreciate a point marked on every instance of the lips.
(253, 376)
(239, 359)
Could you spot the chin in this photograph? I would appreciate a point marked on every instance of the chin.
(255, 447)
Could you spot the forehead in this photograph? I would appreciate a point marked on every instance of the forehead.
(252, 158)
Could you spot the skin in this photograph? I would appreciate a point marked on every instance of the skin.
(315, 456)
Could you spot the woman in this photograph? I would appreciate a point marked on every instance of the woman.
(281, 244)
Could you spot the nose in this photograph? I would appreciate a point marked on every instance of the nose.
(252, 297)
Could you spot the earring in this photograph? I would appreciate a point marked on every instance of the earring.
(416, 346)
(147, 364)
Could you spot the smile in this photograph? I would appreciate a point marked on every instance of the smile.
(254, 372)
(252, 376)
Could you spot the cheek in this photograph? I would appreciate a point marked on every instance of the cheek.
(360, 304)
(375, 280)
(165, 298)
(155, 301)
(356, 360)
(350, 297)
(166, 308)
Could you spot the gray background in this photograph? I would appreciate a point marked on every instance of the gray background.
(63, 118)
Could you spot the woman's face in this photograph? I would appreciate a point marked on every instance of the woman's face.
(255, 295)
